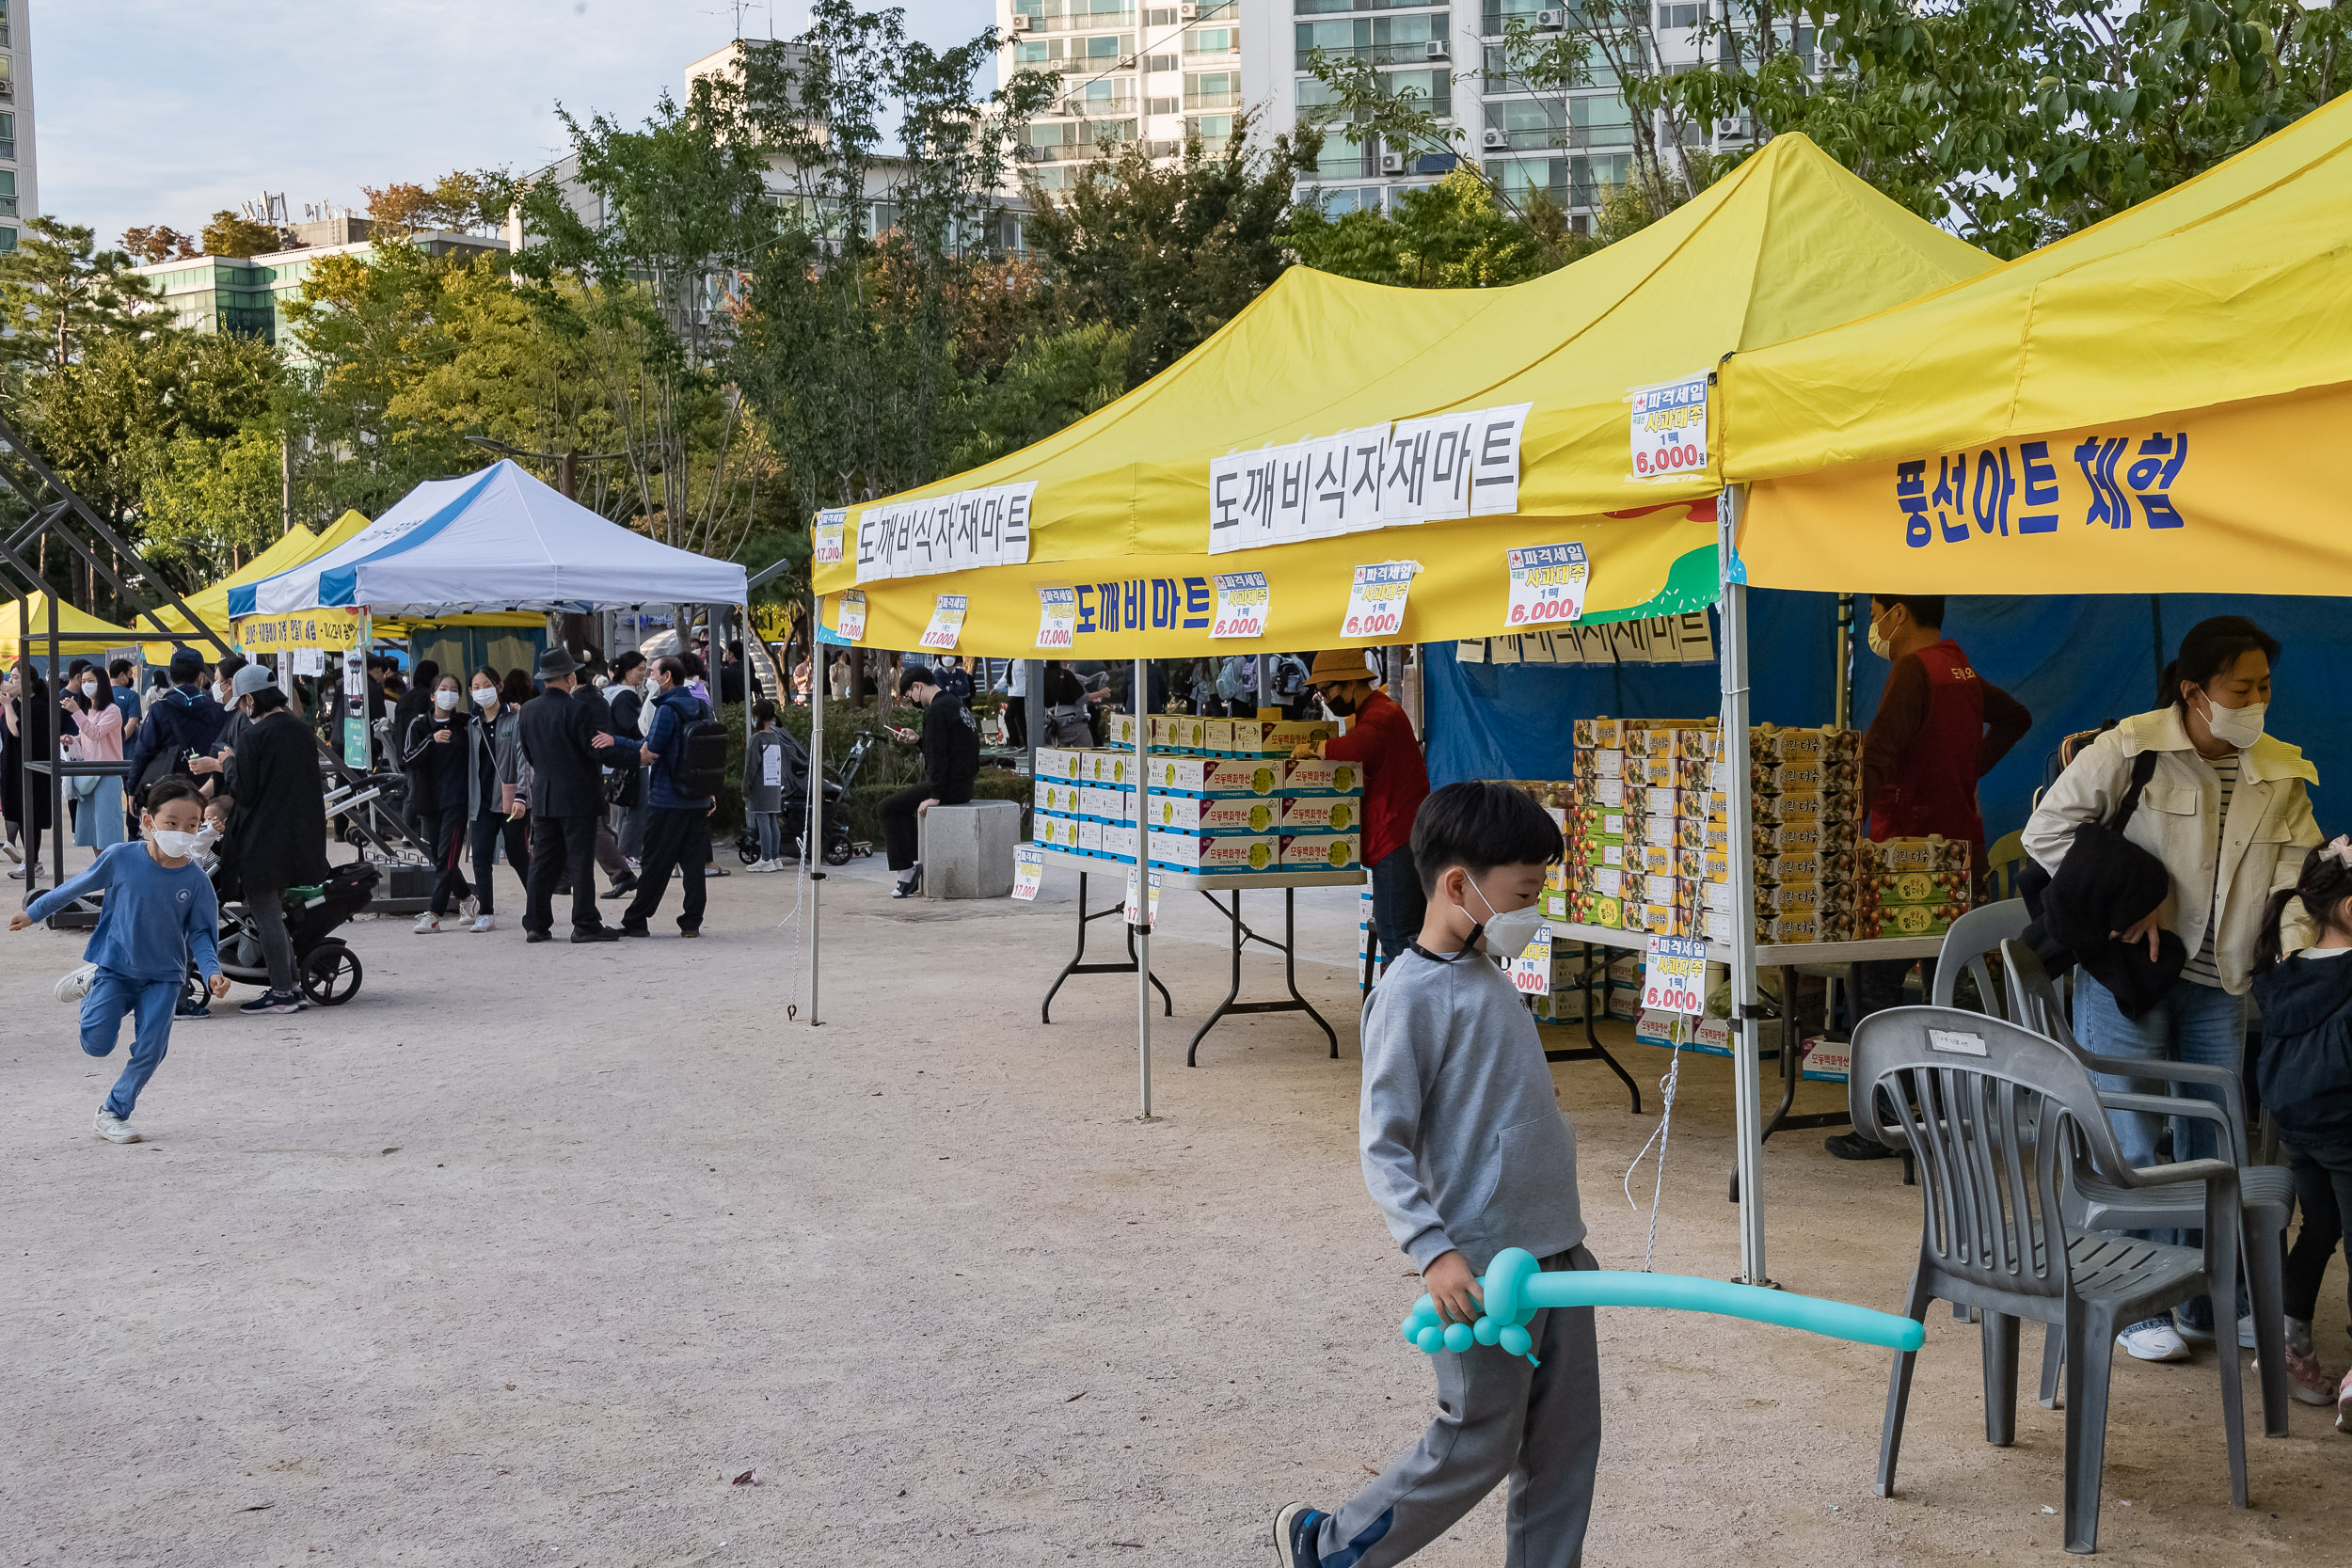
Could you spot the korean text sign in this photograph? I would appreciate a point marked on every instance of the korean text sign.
(1437, 468)
(1547, 584)
(986, 527)
(1668, 428)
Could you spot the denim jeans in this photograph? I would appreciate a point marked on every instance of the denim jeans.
(771, 824)
(2203, 1025)
(149, 1003)
(1398, 904)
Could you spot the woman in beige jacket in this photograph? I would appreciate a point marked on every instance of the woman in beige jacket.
(2227, 813)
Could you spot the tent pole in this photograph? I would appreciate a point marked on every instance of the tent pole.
(55, 782)
(1844, 677)
(1733, 756)
(813, 837)
(1265, 682)
(1141, 707)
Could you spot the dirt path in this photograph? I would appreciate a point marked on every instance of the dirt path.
(522, 1256)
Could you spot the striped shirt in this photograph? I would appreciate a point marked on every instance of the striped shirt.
(2201, 968)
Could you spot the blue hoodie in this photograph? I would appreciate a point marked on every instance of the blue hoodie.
(666, 736)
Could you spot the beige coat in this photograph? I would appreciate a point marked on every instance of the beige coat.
(2261, 847)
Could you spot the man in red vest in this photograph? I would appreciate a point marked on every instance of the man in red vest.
(1397, 780)
(1940, 728)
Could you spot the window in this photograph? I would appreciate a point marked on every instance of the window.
(1216, 90)
(1528, 122)
(1160, 62)
(1031, 51)
(1384, 41)
(1520, 178)
(1214, 131)
(7, 193)
(7, 238)
(1600, 121)
(7, 135)
(1164, 105)
(1211, 40)
(1591, 180)
(1684, 14)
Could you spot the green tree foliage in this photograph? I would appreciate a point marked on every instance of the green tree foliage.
(158, 243)
(210, 504)
(1172, 253)
(1451, 235)
(61, 294)
(2023, 120)
(460, 203)
(1053, 380)
(231, 235)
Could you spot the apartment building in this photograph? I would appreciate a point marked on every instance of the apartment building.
(1132, 70)
(20, 196)
(247, 295)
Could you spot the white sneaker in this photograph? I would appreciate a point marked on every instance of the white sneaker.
(2155, 1339)
(113, 1127)
(76, 983)
(470, 905)
(483, 922)
(427, 924)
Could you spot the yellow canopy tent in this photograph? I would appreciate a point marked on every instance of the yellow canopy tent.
(1122, 508)
(211, 605)
(2144, 406)
(81, 634)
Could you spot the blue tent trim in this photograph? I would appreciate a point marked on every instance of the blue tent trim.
(340, 585)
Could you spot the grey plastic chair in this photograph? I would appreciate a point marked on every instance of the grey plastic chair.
(2266, 1193)
(1973, 946)
(1974, 1097)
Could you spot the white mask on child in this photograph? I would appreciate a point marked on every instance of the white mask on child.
(445, 700)
(484, 696)
(1508, 933)
(90, 688)
(178, 845)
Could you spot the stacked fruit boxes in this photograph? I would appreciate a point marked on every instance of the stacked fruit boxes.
(1912, 887)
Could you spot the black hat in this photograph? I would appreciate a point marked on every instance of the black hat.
(556, 663)
(186, 664)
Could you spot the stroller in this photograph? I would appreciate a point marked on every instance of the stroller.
(327, 971)
(839, 847)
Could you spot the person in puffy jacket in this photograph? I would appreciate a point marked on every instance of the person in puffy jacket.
(2305, 1075)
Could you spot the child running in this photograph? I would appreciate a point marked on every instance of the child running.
(1467, 1152)
(158, 912)
(2305, 1074)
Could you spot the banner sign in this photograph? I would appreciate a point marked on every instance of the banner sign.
(1531, 971)
(1376, 600)
(1056, 617)
(260, 635)
(1435, 469)
(1674, 975)
(947, 614)
(988, 527)
(1669, 428)
(831, 527)
(1243, 600)
(1028, 871)
(1548, 584)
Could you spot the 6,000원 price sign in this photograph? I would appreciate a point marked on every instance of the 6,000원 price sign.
(1242, 602)
(1376, 599)
(1674, 975)
(1547, 584)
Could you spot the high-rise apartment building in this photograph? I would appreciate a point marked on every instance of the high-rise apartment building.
(1131, 69)
(19, 189)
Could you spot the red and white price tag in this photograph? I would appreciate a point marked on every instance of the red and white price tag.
(850, 619)
(1143, 905)
(1243, 600)
(1669, 428)
(1674, 975)
(947, 614)
(830, 528)
(1056, 617)
(1028, 871)
(1376, 600)
(1548, 584)
(1531, 971)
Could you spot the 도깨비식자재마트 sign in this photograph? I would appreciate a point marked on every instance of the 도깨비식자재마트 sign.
(1435, 469)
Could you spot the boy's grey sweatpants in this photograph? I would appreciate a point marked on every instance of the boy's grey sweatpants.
(1496, 1416)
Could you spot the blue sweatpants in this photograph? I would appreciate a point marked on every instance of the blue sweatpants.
(111, 995)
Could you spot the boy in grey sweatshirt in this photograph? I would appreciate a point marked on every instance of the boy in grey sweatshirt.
(1467, 1152)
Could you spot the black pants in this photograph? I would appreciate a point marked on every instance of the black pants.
(449, 855)
(1017, 722)
(488, 829)
(562, 848)
(2323, 1191)
(899, 822)
(677, 838)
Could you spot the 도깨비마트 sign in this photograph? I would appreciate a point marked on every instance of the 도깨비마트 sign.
(1056, 617)
(1531, 971)
(1547, 584)
(1376, 599)
(1669, 428)
(1243, 600)
(947, 614)
(1028, 871)
(850, 621)
(1674, 975)
(830, 528)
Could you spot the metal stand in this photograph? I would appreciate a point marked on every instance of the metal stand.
(1592, 1050)
(1792, 1067)
(1287, 948)
(1078, 964)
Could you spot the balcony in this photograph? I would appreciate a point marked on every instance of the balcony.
(1095, 22)
(1529, 138)
(1121, 105)
(1228, 99)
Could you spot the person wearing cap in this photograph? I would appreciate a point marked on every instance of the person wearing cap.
(277, 826)
(1397, 780)
(561, 744)
(950, 743)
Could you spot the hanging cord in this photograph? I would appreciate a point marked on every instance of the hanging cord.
(793, 917)
(1666, 1125)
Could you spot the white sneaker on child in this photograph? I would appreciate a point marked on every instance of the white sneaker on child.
(427, 924)
(113, 1127)
(2156, 1339)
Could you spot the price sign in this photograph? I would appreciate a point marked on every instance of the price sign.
(1376, 600)
(1143, 903)
(1531, 971)
(850, 621)
(1548, 584)
(1674, 975)
(830, 528)
(1028, 871)
(1243, 600)
(947, 613)
(1056, 617)
(1669, 428)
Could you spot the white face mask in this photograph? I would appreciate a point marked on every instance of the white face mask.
(484, 696)
(1508, 933)
(90, 688)
(2236, 726)
(445, 700)
(1878, 644)
(178, 845)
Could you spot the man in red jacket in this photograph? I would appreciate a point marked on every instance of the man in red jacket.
(1940, 727)
(1397, 780)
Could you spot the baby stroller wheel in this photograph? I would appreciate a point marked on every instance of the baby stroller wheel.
(331, 974)
(747, 846)
(194, 992)
(837, 852)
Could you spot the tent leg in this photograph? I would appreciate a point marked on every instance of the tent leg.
(813, 837)
(1748, 1056)
(1140, 701)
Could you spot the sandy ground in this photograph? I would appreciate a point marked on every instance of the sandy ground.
(519, 1258)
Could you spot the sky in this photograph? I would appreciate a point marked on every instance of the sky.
(161, 111)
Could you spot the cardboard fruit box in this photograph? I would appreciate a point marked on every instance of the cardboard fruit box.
(1321, 851)
(1322, 776)
(1230, 853)
(1218, 776)
(1214, 815)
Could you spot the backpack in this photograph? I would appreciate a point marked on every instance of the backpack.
(700, 765)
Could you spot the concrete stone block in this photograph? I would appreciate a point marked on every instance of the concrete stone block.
(967, 849)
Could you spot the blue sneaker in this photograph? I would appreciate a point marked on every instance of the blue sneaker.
(274, 1002)
(183, 1010)
(1294, 1531)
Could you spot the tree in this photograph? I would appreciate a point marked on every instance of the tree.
(1172, 253)
(1451, 235)
(229, 234)
(209, 504)
(1053, 380)
(61, 293)
(459, 201)
(2018, 121)
(158, 243)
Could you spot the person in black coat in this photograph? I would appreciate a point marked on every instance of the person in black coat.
(563, 749)
(30, 733)
(277, 829)
(616, 759)
(951, 758)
